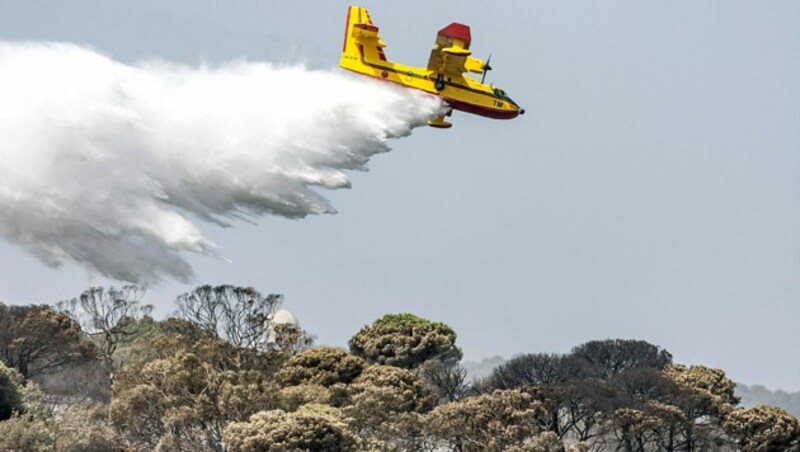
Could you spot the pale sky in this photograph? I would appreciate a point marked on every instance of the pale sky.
(652, 190)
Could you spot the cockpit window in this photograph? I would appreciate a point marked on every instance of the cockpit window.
(502, 95)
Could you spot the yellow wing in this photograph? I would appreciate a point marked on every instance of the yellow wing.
(451, 55)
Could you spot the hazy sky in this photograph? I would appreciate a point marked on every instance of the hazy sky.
(652, 190)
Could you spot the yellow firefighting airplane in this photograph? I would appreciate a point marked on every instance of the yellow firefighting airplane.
(444, 76)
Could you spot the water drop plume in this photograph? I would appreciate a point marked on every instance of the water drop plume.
(111, 165)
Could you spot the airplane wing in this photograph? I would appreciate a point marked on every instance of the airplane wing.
(451, 55)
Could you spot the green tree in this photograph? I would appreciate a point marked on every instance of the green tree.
(405, 340)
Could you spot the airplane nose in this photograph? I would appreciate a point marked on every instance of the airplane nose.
(522, 111)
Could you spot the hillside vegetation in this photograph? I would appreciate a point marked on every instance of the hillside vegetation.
(749, 395)
(97, 373)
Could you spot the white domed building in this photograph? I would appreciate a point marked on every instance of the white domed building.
(279, 317)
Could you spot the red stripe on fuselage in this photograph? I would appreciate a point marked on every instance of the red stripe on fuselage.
(346, 30)
(481, 111)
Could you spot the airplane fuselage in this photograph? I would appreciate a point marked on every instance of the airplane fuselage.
(460, 92)
(444, 76)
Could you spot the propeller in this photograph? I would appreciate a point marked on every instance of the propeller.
(486, 68)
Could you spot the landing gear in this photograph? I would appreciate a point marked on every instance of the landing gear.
(439, 84)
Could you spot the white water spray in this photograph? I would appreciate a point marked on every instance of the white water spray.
(100, 162)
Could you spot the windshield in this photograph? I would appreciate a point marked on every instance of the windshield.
(502, 95)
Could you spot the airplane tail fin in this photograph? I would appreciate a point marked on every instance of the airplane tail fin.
(361, 39)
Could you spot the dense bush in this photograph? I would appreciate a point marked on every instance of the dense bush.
(281, 431)
(405, 340)
(763, 428)
(324, 366)
(487, 422)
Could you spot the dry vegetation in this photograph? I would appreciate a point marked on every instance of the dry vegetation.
(97, 373)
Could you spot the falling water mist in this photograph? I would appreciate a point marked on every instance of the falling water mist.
(107, 165)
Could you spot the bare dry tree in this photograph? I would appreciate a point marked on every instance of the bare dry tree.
(111, 316)
(240, 315)
(448, 379)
